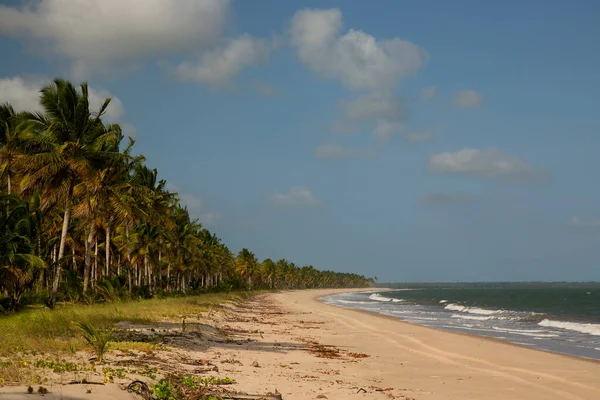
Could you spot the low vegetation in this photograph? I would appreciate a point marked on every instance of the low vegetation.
(42, 331)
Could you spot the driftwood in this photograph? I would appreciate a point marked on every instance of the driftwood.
(85, 383)
(140, 388)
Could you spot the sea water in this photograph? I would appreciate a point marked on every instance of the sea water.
(559, 319)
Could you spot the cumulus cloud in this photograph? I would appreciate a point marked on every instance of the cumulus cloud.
(490, 163)
(297, 196)
(467, 99)
(418, 136)
(385, 130)
(584, 223)
(375, 105)
(443, 198)
(357, 59)
(428, 93)
(24, 95)
(94, 35)
(327, 151)
(218, 66)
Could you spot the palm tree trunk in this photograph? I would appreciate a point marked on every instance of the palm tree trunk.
(95, 276)
(107, 264)
(88, 256)
(74, 258)
(61, 249)
(159, 271)
(169, 276)
(146, 270)
(128, 257)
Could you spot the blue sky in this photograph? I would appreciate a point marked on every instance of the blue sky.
(413, 140)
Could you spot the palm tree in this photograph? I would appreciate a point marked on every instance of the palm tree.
(268, 270)
(65, 145)
(246, 263)
(9, 143)
(65, 182)
(19, 265)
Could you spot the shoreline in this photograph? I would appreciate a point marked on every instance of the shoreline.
(456, 332)
(446, 364)
(294, 344)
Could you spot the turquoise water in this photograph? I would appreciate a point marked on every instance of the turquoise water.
(560, 318)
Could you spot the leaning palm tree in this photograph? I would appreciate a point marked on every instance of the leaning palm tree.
(65, 144)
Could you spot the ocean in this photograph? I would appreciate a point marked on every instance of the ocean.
(547, 317)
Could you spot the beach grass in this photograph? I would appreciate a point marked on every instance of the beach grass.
(40, 331)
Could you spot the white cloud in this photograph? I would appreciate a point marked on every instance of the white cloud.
(385, 130)
(428, 93)
(129, 129)
(24, 95)
(297, 196)
(418, 136)
(490, 163)
(94, 35)
(218, 66)
(327, 151)
(357, 59)
(443, 198)
(584, 223)
(115, 109)
(374, 105)
(467, 99)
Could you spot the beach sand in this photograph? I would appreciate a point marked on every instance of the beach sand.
(294, 344)
(410, 360)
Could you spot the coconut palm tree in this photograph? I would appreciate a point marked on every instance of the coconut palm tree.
(19, 265)
(246, 265)
(65, 143)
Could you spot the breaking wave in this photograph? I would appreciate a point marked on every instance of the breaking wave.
(470, 310)
(352, 302)
(590, 329)
(378, 297)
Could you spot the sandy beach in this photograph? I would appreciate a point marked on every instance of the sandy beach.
(293, 344)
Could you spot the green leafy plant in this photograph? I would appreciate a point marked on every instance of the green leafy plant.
(163, 390)
(96, 339)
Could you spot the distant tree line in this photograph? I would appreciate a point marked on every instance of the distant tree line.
(84, 219)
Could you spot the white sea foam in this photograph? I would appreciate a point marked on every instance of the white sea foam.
(443, 301)
(378, 297)
(513, 330)
(590, 329)
(352, 302)
(536, 334)
(470, 310)
(472, 317)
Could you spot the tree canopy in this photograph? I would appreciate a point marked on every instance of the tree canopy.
(81, 217)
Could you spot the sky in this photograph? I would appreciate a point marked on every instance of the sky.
(413, 141)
